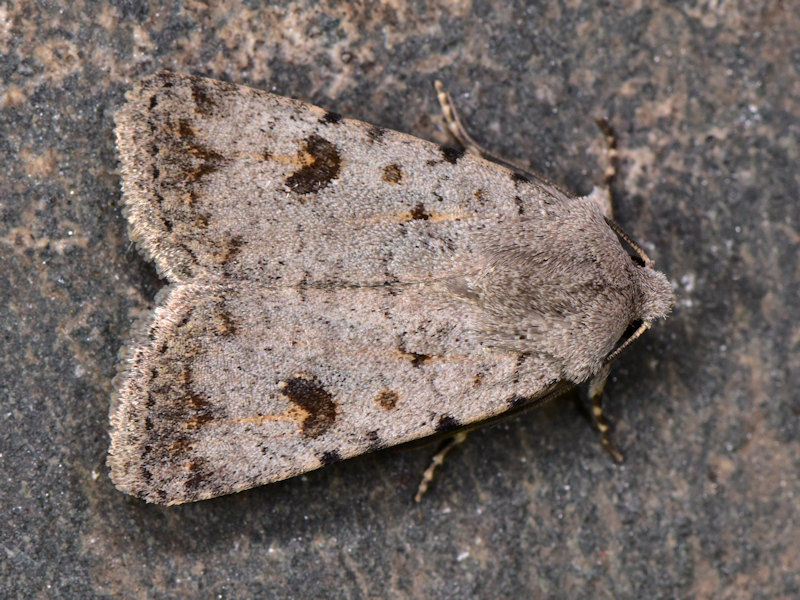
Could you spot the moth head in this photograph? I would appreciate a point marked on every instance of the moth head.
(655, 296)
(654, 300)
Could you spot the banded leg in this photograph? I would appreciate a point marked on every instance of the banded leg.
(596, 386)
(438, 459)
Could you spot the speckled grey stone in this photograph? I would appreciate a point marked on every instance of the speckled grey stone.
(705, 100)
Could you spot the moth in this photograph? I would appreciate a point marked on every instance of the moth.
(336, 288)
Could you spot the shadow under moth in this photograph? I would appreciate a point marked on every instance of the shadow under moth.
(336, 288)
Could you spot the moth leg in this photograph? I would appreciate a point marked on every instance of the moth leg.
(438, 459)
(602, 193)
(611, 146)
(454, 125)
(596, 386)
(458, 131)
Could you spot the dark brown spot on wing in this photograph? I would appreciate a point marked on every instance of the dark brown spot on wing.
(418, 213)
(447, 423)
(203, 101)
(202, 415)
(198, 477)
(161, 79)
(413, 357)
(177, 408)
(222, 322)
(185, 130)
(308, 394)
(387, 399)
(323, 166)
(330, 118)
(205, 161)
(375, 441)
(519, 178)
(192, 410)
(520, 205)
(146, 475)
(516, 400)
(392, 173)
(331, 456)
(206, 94)
(451, 154)
(228, 250)
(209, 161)
(375, 133)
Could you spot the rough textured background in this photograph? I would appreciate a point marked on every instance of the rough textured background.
(705, 97)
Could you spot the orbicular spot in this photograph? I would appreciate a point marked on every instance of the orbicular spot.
(392, 173)
(265, 155)
(520, 205)
(387, 399)
(331, 456)
(480, 195)
(418, 213)
(308, 394)
(330, 118)
(322, 167)
(447, 423)
(451, 154)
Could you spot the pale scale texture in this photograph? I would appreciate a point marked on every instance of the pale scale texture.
(337, 288)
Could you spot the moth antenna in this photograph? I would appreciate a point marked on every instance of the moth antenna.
(456, 128)
(641, 329)
(628, 240)
(453, 121)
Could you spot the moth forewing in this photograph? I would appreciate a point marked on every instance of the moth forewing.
(337, 287)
